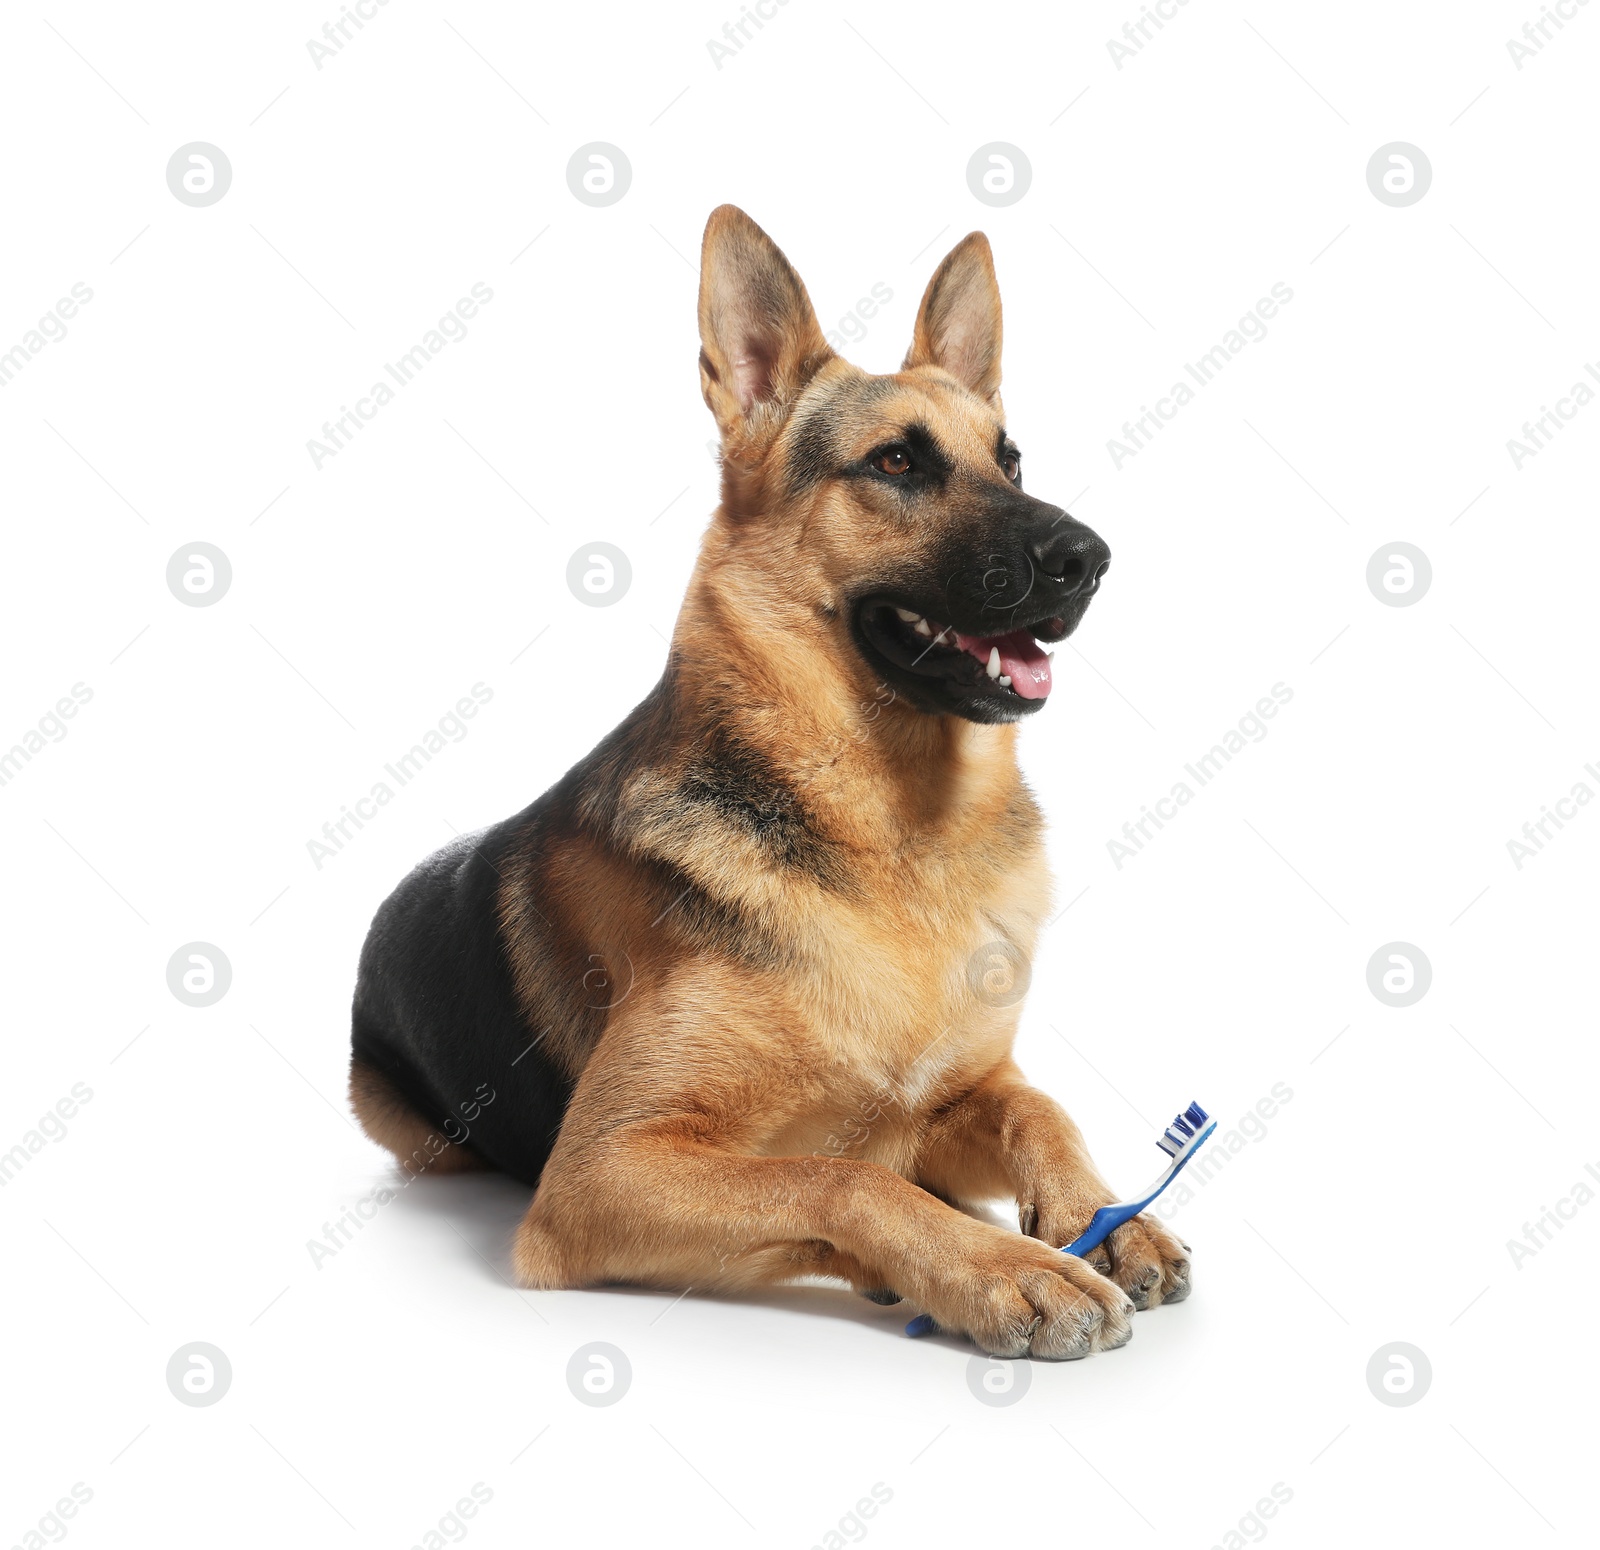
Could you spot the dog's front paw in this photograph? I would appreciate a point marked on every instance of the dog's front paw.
(1016, 1297)
(1141, 1256)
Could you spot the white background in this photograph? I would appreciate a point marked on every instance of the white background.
(1230, 954)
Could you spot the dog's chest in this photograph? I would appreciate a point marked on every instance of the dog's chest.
(916, 996)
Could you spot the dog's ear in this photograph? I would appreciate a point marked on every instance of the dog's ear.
(759, 339)
(958, 323)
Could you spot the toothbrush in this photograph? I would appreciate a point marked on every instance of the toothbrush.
(1181, 1140)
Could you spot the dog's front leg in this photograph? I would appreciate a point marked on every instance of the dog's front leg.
(1006, 1137)
(660, 1205)
(659, 1183)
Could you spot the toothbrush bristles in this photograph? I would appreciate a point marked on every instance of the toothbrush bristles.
(1183, 1129)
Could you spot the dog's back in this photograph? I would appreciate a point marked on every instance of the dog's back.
(488, 975)
(475, 1006)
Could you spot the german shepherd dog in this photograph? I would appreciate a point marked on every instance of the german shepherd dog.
(724, 994)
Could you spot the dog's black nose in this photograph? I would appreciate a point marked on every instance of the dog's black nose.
(1073, 555)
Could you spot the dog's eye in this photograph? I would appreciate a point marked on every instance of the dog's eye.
(893, 460)
(1011, 465)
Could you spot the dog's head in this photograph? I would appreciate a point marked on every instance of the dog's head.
(890, 508)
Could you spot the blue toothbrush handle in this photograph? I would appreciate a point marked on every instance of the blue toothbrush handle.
(1102, 1224)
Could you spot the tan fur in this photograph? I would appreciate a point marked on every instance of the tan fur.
(958, 324)
(390, 1121)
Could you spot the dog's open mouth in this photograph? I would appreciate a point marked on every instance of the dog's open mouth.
(1008, 673)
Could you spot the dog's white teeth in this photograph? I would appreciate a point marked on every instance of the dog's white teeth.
(922, 627)
(994, 662)
(1005, 683)
(907, 617)
(1049, 656)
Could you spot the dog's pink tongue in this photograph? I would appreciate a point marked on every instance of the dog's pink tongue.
(1021, 660)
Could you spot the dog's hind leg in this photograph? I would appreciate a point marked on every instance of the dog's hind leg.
(390, 1121)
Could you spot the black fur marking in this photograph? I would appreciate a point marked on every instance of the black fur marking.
(701, 921)
(811, 456)
(435, 1011)
(740, 787)
(814, 454)
(931, 465)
